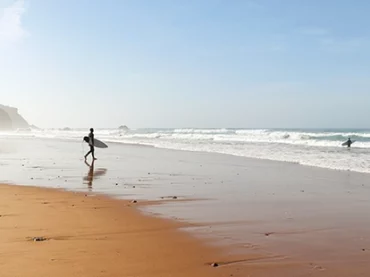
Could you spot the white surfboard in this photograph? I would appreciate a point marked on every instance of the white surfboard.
(99, 144)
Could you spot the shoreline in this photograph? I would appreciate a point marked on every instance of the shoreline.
(266, 159)
(245, 157)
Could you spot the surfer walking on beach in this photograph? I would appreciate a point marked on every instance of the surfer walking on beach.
(91, 144)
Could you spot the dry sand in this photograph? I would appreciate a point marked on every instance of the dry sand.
(96, 236)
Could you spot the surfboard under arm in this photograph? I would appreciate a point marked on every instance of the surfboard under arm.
(97, 143)
(346, 143)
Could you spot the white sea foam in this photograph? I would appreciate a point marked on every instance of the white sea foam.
(201, 131)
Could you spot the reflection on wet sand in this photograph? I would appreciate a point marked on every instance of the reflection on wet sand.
(91, 174)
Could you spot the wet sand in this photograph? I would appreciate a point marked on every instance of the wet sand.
(298, 221)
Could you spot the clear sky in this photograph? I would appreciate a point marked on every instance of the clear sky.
(187, 63)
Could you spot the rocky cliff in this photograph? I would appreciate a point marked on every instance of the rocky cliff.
(10, 119)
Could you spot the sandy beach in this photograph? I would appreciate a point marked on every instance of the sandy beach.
(254, 217)
(184, 138)
(94, 236)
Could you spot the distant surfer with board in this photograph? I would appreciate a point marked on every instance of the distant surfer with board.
(348, 142)
(91, 144)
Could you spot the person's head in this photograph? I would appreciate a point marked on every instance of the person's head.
(91, 130)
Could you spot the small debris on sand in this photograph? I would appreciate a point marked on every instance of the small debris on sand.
(39, 239)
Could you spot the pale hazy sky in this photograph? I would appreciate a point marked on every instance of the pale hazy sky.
(187, 63)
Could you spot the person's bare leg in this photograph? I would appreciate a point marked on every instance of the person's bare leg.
(87, 154)
(93, 155)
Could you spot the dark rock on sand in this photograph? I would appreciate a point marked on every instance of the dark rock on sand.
(39, 239)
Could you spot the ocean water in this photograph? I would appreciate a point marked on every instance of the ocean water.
(319, 148)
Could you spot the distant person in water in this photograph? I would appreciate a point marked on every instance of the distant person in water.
(91, 144)
(349, 142)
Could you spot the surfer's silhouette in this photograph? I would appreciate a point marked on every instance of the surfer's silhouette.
(349, 142)
(90, 141)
